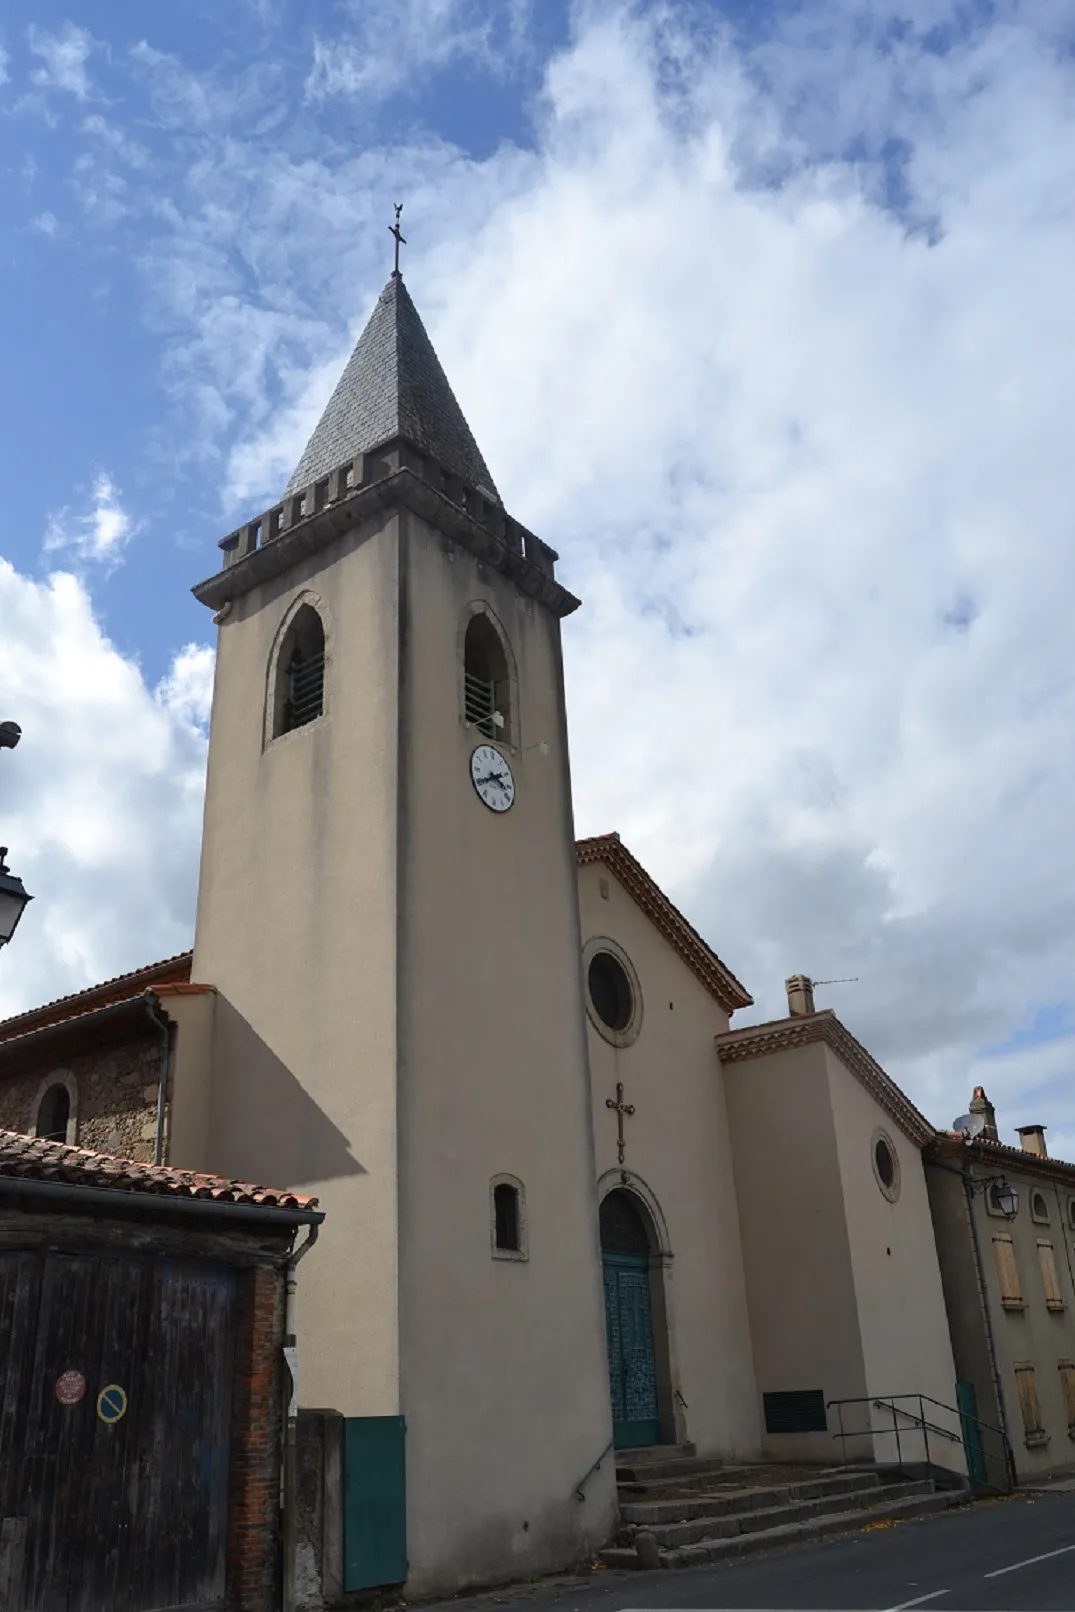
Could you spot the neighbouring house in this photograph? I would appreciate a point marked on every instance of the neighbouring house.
(143, 1388)
(1004, 1219)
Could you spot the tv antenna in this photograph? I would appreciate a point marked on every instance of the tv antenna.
(850, 979)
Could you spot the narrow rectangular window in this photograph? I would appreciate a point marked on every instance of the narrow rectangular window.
(1054, 1299)
(1008, 1272)
(1027, 1383)
(1066, 1369)
(506, 1209)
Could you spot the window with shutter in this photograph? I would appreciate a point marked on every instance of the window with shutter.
(1027, 1384)
(298, 695)
(1054, 1299)
(1066, 1369)
(1004, 1251)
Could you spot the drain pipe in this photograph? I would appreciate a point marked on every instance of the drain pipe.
(290, 1462)
(164, 1029)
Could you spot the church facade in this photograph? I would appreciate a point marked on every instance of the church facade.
(569, 1208)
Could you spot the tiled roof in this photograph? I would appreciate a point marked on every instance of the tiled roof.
(983, 1150)
(718, 980)
(800, 1029)
(30, 1159)
(158, 977)
(393, 386)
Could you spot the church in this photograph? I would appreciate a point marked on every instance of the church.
(570, 1208)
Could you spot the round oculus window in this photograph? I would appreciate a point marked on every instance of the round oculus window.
(886, 1166)
(610, 991)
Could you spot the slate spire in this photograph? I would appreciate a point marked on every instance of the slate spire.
(393, 386)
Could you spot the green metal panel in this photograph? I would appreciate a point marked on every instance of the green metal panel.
(374, 1502)
(967, 1404)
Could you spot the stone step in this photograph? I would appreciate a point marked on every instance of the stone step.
(671, 1535)
(709, 1550)
(649, 1453)
(643, 1475)
(725, 1502)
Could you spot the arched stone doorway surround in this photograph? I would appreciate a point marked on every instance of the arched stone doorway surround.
(623, 1274)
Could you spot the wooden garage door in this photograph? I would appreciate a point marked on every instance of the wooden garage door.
(118, 1492)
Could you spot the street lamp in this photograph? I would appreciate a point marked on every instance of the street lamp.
(998, 1189)
(13, 899)
(13, 895)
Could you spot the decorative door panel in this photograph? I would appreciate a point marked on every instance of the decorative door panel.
(631, 1364)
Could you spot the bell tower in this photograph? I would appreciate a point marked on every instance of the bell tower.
(388, 910)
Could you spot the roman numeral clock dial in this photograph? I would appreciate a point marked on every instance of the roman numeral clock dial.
(491, 776)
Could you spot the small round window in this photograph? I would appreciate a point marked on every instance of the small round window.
(610, 991)
(886, 1165)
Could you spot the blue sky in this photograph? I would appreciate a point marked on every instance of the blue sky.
(761, 316)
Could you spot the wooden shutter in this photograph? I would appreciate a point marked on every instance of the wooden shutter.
(1027, 1384)
(1066, 1369)
(1050, 1280)
(1008, 1271)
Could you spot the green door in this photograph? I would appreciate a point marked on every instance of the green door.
(374, 1502)
(632, 1369)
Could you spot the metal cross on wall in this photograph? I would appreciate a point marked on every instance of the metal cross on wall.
(622, 1111)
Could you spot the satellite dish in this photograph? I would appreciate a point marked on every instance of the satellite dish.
(973, 1124)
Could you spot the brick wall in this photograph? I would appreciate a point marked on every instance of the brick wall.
(254, 1522)
(116, 1105)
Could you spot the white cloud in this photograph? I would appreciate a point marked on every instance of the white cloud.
(63, 56)
(102, 798)
(792, 401)
(394, 43)
(45, 224)
(100, 534)
(4, 60)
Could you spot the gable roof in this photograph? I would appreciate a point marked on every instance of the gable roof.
(28, 1158)
(667, 918)
(983, 1150)
(799, 1030)
(393, 386)
(165, 978)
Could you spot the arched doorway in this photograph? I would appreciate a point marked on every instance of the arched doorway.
(626, 1247)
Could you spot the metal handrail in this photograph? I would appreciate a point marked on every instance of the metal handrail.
(584, 1480)
(888, 1402)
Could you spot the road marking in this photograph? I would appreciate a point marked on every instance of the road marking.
(1014, 1568)
(918, 1602)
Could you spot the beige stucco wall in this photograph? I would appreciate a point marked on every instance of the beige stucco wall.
(903, 1325)
(296, 928)
(678, 1147)
(504, 1378)
(187, 1134)
(796, 1245)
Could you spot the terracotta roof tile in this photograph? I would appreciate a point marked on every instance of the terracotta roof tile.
(173, 971)
(718, 980)
(987, 1150)
(29, 1158)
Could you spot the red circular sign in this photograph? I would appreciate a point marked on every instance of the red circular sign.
(70, 1387)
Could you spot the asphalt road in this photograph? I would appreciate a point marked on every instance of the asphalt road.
(1012, 1555)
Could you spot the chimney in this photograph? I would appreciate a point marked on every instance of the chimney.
(800, 989)
(980, 1104)
(1032, 1139)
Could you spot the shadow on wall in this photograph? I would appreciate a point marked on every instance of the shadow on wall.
(263, 1124)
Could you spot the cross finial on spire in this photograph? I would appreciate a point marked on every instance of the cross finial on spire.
(401, 240)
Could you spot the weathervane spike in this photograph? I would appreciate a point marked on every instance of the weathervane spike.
(401, 239)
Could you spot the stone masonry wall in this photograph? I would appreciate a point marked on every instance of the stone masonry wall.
(114, 1101)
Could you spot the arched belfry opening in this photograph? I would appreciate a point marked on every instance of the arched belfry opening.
(299, 682)
(635, 1319)
(487, 680)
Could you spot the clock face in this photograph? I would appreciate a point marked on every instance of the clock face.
(492, 778)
